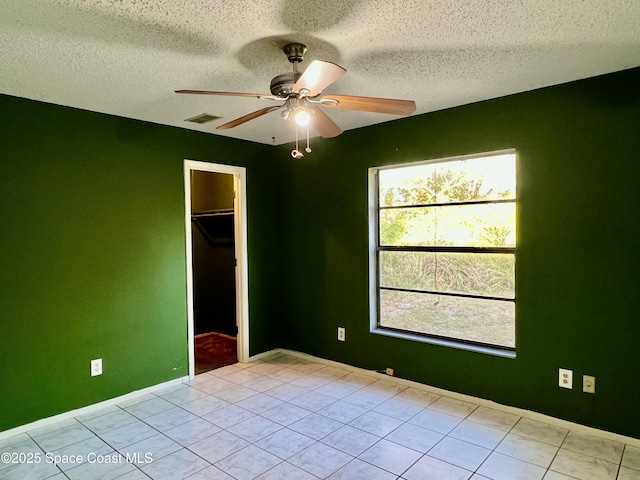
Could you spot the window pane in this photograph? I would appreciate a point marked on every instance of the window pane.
(485, 225)
(485, 321)
(489, 274)
(485, 178)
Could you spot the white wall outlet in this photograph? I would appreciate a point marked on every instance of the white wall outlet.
(565, 378)
(96, 367)
(588, 384)
(342, 334)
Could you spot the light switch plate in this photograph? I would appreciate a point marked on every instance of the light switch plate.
(588, 384)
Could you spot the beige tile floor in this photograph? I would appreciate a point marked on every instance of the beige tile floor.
(289, 418)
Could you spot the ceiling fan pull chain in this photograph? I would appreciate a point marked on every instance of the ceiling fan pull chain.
(308, 149)
(297, 153)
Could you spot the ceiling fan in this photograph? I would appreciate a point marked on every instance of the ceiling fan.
(302, 96)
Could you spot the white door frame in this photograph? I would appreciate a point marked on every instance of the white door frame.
(242, 273)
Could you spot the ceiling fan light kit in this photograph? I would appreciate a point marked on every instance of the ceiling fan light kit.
(301, 93)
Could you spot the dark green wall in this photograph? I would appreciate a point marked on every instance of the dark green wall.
(577, 255)
(92, 253)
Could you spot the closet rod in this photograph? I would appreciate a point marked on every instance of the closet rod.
(212, 214)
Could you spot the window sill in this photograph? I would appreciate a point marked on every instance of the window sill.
(445, 343)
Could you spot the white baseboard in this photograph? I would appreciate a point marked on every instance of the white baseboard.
(260, 356)
(89, 409)
(478, 401)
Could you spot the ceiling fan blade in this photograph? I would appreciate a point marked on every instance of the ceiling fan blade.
(369, 104)
(318, 76)
(231, 94)
(246, 118)
(326, 127)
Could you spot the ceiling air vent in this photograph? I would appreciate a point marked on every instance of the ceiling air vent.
(202, 118)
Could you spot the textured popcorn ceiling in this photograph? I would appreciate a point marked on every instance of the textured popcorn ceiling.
(126, 57)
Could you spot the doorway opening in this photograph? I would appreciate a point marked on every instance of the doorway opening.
(217, 298)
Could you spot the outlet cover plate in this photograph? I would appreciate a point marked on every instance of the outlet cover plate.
(342, 334)
(565, 378)
(96, 367)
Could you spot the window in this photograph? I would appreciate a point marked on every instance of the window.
(443, 246)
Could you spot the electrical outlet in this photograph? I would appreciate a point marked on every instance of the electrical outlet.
(389, 371)
(96, 367)
(588, 384)
(342, 334)
(565, 378)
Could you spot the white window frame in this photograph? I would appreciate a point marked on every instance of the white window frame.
(373, 199)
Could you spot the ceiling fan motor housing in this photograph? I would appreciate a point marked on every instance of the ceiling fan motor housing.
(282, 85)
